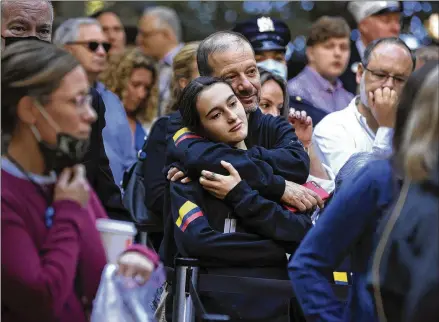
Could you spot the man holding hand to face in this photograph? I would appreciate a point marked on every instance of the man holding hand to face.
(366, 125)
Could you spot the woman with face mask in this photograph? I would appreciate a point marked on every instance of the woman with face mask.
(220, 220)
(52, 254)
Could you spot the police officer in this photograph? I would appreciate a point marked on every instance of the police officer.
(269, 38)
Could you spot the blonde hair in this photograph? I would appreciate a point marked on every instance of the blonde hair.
(118, 73)
(420, 141)
(181, 68)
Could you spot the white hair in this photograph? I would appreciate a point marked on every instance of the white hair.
(5, 2)
(68, 31)
(166, 16)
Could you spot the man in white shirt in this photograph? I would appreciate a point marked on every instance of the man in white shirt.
(366, 125)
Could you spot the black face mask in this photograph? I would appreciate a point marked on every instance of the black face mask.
(67, 152)
(11, 40)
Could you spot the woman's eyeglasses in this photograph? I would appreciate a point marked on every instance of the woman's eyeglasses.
(81, 102)
(92, 45)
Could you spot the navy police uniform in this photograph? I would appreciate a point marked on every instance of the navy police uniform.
(265, 33)
(300, 104)
(269, 39)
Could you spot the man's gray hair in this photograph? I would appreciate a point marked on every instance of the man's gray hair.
(5, 2)
(166, 16)
(218, 42)
(68, 31)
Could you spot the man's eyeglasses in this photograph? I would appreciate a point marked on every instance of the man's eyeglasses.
(92, 45)
(382, 77)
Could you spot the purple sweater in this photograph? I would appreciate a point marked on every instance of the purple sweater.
(47, 274)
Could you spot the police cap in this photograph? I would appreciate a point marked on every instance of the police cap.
(265, 33)
(363, 9)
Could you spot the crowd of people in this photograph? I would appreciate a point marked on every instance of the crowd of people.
(252, 171)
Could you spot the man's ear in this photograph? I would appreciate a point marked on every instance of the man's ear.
(359, 73)
(26, 110)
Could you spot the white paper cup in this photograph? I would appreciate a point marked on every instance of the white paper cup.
(116, 236)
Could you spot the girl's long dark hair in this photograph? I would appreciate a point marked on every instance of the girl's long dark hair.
(187, 104)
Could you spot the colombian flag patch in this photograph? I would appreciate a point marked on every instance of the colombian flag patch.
(187, 214)
(341, 278)
(184, 134)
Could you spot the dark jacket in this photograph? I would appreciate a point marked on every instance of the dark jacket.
(260, 168)
(345, 228)
(155, 179)
(274, 154)
(299, 104)
(256, 248)
(409, 266)
(257, 166)
(98, 168)
(349, 76)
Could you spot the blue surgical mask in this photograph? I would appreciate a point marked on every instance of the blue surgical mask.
(275, 67)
